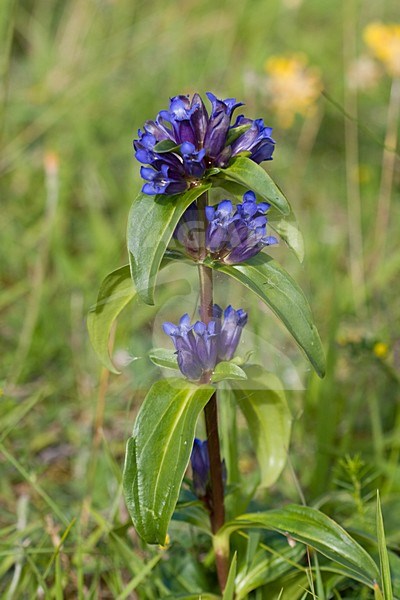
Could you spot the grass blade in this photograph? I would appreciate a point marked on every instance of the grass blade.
(383, 553)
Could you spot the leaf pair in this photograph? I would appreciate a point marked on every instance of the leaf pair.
(158, 452)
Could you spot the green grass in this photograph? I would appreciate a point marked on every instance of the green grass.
(79, 78)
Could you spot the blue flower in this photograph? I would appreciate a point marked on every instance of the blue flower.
(231, 330)
(236, 233)
(200, 462)
(201, 346)
(165, 181)
(196, 346)
(257, 140)
(185, 141)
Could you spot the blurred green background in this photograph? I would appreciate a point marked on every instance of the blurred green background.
(79, 77)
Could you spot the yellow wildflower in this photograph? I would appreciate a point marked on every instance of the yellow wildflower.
(292, 86)
(381, 349)
(384, 42)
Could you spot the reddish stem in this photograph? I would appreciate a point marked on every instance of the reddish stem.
(216, 504)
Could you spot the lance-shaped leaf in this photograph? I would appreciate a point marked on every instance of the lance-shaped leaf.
(115, 292)
(315, 529)
(263, 403)
(229, 591)
(158, 453)
(264, 567)
(270, 282)
(245, 171)
(383, 552)
(288, 230)
(151, 223)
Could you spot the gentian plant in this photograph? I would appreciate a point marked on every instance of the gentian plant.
(188, 153)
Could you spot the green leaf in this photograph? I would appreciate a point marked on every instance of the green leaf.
(288, 230)
(158, 453)
(377, 593)
(151, 223)
(291, 587)
(395, 572)
(227, 370)
(198, 596)
(315, 529)
(242, 360)
(229, 591)
(270, 282)
(212, 172)
(163, 357)
(166, 146)
(236, 132)
(115, 292)
(263, 404)
(265, 567)
(383, 553)
(249, 174)
(193, 513)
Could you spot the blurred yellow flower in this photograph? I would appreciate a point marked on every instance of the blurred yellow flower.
(292, 86)
(381, 349)
(384, 42)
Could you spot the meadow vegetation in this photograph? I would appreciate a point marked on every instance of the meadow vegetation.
(79, 77)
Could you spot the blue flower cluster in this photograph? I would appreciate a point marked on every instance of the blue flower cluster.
(184, 141)
(201, 346)
(234, 233)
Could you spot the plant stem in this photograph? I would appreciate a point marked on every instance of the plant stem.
(216, 505)
(388, 169)
(217, 511)
(354, 204)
